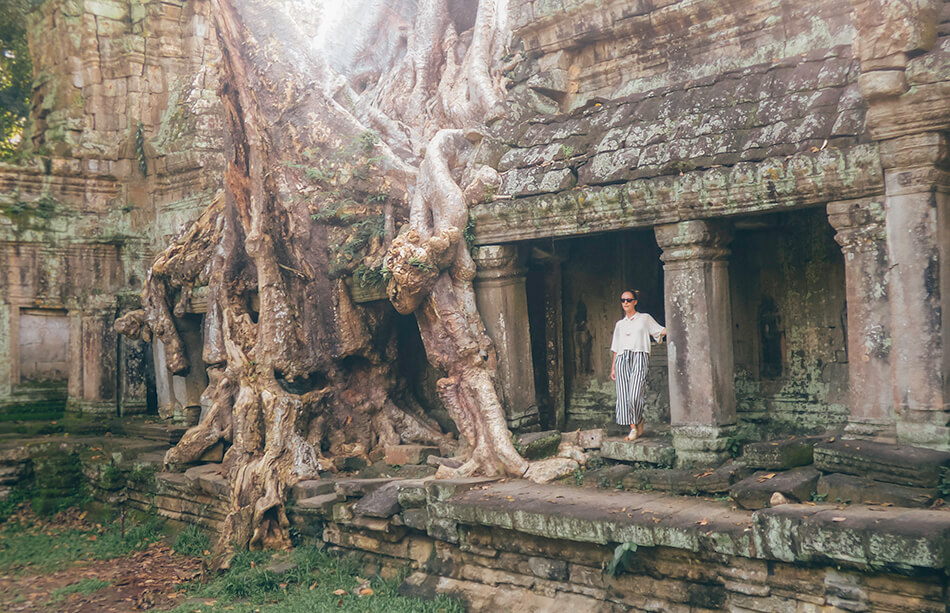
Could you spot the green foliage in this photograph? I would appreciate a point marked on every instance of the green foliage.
(192, 542)
(943, 488)
(735, 441)
(367, 276)
(143, 474)
(420, 264)
(623, 559)
(16, 74)
(252, 585)
(18, 496)
(84, 587)
(816, 497)
(469, 234)
(579, 476)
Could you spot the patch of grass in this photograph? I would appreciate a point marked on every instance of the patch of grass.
(84, 587)
(46, 546)
(192, 542)
(249, 586)
(943, 488)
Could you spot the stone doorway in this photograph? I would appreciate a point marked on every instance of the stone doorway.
(573, 287)
(790, 322)
(42, 367)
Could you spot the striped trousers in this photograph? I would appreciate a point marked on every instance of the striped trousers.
(631, 371)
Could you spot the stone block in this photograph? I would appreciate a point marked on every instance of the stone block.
(311, 487)
(648, 451)
(357, 488)
(546, 568)
(882, 84)
(536, 445)
(417, 519)
(443, 489)
(321, 505)
(754, 493)
(109, 9)
(588, 439)
(898, 464)
(850, 489)
(412, 493)
(399, 455)
(550, 469)
(687, 481)
(381, 502)
(780, 455)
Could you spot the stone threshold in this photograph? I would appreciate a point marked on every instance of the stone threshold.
(877, 537)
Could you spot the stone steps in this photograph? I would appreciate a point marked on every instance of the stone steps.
(656, 451)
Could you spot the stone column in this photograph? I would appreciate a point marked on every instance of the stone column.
(918, 232)
(861, 234)
(699, 329)
(502, 301)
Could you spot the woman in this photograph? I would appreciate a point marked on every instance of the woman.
(631, 349)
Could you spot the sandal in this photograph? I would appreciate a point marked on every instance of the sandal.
(633, 435)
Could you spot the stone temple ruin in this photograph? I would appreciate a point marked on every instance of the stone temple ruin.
(773, 175)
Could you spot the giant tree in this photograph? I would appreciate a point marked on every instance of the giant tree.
(360, 157)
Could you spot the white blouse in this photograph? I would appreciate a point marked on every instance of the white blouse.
(633, 333)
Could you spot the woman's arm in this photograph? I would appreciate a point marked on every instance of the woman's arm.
(613, 367)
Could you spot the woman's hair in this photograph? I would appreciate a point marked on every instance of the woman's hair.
(635, 292)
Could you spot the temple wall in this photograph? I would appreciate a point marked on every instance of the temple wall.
(123, 152)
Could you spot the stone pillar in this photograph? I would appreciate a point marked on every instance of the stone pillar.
(699, 332)
(917, 210)
(502, 301)
(861, 234)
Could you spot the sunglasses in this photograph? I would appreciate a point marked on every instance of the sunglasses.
(627, 299)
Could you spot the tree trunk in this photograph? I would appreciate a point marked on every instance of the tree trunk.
(317, 173)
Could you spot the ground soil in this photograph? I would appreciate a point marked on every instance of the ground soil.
(144, 580)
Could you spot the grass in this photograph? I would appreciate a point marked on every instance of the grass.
(192, 542)
(84, 587)
(315, 581)
(45, 547)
